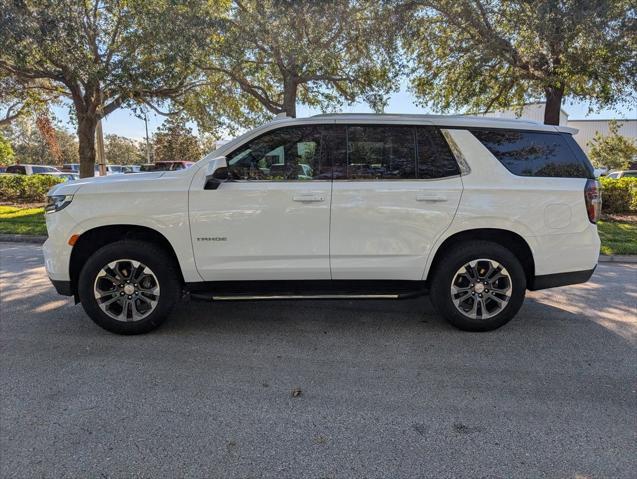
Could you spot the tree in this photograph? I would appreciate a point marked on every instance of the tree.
(272, 55)
(120, 150)
(613, 151)
(6, 152)
(102, 54)
(31, 142)
(485, 54)
(23, 96)
(174, 141)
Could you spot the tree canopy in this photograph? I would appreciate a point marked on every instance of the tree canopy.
(120, 150)
(485, 54)
(612, 151)
(174, 141)
(271, 55)
(6, 152)
(102, 54)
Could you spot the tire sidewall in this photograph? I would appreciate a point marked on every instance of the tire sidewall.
(145, 253)
(461, 255)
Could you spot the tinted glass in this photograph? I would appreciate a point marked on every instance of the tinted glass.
(630, 174)
(292, 153)
(435, 159)
(380, 152)
(43, 169)
(527, 153)
(17, 169)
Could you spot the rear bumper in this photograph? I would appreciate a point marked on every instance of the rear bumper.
(546, 281)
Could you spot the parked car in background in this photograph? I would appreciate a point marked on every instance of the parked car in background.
(147, 167)
(172, 165)
(474, 211)
(110, 169)
(622, 174)
(3, 169)
(131, 168)
(31, 169)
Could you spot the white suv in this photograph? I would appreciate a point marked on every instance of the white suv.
(472, 211)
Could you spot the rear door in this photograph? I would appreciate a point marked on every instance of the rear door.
(396, 189)
(271, 222)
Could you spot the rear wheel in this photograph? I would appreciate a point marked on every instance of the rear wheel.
(129, 287)
(478, 286)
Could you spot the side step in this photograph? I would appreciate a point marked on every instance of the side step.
(294, 290)
(241, 297)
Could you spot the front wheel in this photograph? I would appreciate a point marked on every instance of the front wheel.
(478, 286)
(129, 287)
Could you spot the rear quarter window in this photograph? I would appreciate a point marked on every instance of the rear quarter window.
(532, 153)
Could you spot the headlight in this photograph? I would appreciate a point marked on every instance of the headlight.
(57, 202)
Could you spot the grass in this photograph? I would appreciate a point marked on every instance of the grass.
(619, 236)
(23, 221)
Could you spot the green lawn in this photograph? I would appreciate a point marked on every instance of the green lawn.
(24, 221)
(618, 237)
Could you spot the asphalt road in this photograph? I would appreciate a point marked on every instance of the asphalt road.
(388, 388)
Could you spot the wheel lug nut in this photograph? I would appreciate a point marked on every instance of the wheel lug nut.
(122, 293)
(480, 295)
(130, 297)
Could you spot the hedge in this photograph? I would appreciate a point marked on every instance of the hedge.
(26, 188)
(619, 196)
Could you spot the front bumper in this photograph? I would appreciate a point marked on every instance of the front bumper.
(62, 287)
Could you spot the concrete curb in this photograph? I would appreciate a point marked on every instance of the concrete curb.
(619, 258)
(23, 238)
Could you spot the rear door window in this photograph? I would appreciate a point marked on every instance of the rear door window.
(533, 153)
(380, 152)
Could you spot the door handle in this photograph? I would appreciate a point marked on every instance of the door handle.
(431, 197)
(309, 198)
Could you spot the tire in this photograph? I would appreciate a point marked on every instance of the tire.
(150, 301)
(476, 307)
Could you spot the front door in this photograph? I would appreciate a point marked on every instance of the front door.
(271, 221)
(396, 189)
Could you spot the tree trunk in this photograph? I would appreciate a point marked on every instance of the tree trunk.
(86, 136)
(553, 106)
(289, 97)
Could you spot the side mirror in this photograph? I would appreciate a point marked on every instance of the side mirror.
(221, 173)
(218, 174)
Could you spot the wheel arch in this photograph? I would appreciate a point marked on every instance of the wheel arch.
(506, 238)
(95, 238)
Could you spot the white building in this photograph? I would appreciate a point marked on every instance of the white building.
(587, 128)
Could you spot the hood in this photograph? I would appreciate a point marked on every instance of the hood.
(72, 187)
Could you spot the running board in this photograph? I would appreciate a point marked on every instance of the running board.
(206, 297)
(322, 289)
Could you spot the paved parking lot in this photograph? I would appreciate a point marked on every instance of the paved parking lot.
(388, 388)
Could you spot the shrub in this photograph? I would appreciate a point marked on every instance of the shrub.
(26, 188)
(619, 196)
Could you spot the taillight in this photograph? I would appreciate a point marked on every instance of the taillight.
(593, 198)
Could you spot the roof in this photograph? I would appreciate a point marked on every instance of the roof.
(458, 121)
(438, 120)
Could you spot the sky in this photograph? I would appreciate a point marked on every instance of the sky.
(124, 123)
